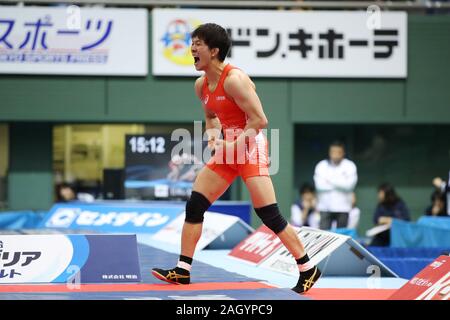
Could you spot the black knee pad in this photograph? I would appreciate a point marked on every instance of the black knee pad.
(272, 218)
(196, 207)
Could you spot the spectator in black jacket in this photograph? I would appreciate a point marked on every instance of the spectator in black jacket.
(390, 206)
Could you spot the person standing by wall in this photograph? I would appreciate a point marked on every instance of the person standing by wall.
(335, 179)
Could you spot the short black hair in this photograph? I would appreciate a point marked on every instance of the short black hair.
(215, 37)
(306, 187)
(337, 143)
(64, 185)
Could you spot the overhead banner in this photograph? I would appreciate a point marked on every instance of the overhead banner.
(113, 218)
(73, 41)
(278, 43)
(68, 259)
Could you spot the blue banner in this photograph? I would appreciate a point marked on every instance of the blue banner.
(113, 217)
(71, 259)
(414, 235)
(437, 222)
(20, 219)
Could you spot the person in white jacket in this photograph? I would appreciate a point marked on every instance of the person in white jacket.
(335, 179)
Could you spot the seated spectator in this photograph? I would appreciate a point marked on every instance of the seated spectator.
(303, 212)
(437, 207)
(390, 206)
(66, 193)
(443, 187)
(354, 214)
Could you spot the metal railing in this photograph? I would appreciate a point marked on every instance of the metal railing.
(266, 4)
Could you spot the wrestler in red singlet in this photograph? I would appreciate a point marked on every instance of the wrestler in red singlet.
(253, 158)
(232, 106)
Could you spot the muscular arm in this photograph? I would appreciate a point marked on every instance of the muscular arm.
(212, 123)
(239, 87)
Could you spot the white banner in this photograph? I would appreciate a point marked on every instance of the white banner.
(318, 244)
(73, 41)
(34, 258)
(288, 43)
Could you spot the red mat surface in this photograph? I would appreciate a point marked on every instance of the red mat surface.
(314, 293)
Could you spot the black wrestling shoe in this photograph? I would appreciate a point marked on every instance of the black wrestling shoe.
(307, 280)
(174, 276)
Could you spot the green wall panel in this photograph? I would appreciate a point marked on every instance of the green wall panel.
(347, 100)
(153, 100)
(428, 83)
(30, 178)
(52, 98)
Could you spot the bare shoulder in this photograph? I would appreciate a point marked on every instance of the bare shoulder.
(237, 77)
(198, 86)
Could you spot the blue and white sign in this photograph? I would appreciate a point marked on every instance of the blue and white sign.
(110, 218)
(68, 259)
(73, 40)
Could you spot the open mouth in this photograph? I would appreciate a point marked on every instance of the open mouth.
(196, 59)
